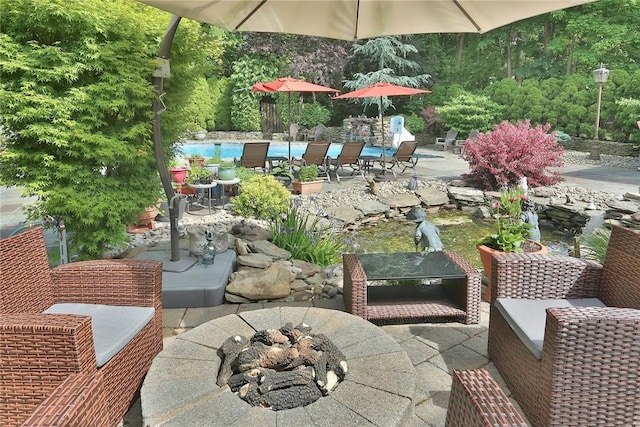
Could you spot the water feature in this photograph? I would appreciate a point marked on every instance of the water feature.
(458, 231)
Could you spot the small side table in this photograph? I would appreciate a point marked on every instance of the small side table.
(368, 162)
(275, 160)
(225, 182)
(207, 187)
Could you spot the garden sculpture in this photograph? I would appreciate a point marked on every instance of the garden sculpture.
(209, 249)
(413, 182)
(427, 234)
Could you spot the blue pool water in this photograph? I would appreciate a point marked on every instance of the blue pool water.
(231, 150)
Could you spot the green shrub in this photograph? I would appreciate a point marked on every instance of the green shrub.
(467, 112)
(314, 114)
(306, 240)
(262, 197)
(308, 173)
(243, 174)
(414, 124)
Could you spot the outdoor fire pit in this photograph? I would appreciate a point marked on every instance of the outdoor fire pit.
(181, 387)
(281, 368)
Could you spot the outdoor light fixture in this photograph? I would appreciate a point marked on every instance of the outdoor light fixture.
(600, 76)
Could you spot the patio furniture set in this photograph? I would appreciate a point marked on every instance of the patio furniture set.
(76, 341)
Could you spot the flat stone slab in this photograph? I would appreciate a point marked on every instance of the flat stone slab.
(180, 388)
(198, 286)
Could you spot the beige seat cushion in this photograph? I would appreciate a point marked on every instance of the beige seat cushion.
(528, 317)
(112, 326)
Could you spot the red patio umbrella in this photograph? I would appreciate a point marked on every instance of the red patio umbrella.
(289, 84)
(382, 89)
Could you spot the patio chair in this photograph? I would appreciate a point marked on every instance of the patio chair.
(314, 154)
(254, 155)
(294, 129)
(448, 141)
(564, 333)
(460, 143)
(97, 318)
(403, 157)
(316, 133)
(349, 156)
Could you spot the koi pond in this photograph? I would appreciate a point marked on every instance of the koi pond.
(458, 232)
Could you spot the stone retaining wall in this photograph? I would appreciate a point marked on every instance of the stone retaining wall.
(606, 147)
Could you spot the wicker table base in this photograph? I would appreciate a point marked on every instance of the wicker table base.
(461, 303)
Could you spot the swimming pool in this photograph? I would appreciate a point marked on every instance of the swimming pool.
(230, 150)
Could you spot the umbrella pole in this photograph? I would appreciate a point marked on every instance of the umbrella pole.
(384, 163)
(289, 132)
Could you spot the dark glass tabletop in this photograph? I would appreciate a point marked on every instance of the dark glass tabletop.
(409, 265)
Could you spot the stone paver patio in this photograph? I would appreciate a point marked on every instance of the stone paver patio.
(435, 349)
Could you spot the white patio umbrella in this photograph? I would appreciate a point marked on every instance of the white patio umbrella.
(360, 19)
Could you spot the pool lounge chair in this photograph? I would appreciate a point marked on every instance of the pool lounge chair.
(403, 157)
(254, 155)
(315, 154)
(349, 156)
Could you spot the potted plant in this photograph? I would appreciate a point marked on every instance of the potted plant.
(213, 163)
(308, 181)
(199, 175)
(226, 171)
(282, 172)
(513, 232)
(196, 159)
(178, 173)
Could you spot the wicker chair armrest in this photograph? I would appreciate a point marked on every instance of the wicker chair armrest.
(125, 282)
(476, 400)
(533, 276)
(572, 334)
(574, 317)
(78, 401)
(57, 344)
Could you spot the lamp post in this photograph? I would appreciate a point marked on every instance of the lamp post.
(600, 76)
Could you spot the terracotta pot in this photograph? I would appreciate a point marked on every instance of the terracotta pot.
(486, 253)
(196, 160)
(307, 187)
(146, 218)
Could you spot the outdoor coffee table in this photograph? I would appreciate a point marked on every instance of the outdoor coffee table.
(453, 291)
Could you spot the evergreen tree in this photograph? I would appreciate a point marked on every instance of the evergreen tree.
(390, 58)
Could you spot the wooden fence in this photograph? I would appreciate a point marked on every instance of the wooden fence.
(270, 122)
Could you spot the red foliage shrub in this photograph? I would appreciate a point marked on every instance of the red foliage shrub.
(511, 151)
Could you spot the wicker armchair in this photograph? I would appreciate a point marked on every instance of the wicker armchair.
(39, 352)
(588, 369)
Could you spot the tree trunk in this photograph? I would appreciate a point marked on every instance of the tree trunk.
(508, 54)
(548, 36)
(572, 46)
(459, 49)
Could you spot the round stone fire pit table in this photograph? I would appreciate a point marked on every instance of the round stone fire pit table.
(180, 388)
